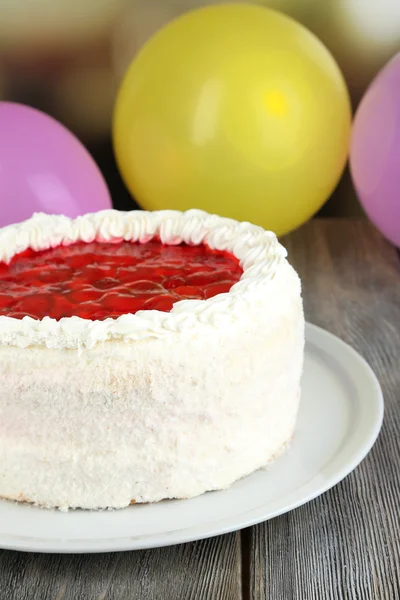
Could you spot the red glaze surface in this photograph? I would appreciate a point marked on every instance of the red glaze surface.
(101, 280)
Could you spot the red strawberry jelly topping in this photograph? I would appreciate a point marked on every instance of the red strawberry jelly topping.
(100, 280)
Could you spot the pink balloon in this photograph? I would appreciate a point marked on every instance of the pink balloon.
(375, 151)
(44, 168)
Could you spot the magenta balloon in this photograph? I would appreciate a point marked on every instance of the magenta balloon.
(375, 151)
(44, 168)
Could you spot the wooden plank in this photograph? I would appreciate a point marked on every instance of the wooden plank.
(207, 569)
(345, 544)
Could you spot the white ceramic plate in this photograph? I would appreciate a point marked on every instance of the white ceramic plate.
(340, 418)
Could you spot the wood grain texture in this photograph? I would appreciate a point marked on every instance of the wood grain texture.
(207, 569)
(345, 544)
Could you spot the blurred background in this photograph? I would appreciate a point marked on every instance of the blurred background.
(67, 58)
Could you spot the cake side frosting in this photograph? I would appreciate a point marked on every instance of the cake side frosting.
(259, 252)
(150, 420)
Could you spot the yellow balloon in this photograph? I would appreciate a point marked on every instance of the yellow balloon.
(235, 109)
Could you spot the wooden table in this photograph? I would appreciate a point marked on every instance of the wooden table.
(343, 545)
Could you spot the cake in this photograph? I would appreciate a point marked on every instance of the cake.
(143, 356)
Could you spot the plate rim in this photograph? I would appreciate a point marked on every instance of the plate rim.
(314, 335)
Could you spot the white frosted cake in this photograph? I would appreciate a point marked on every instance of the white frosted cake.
(143, 356)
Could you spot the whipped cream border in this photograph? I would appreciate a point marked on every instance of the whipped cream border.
(259, 252)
